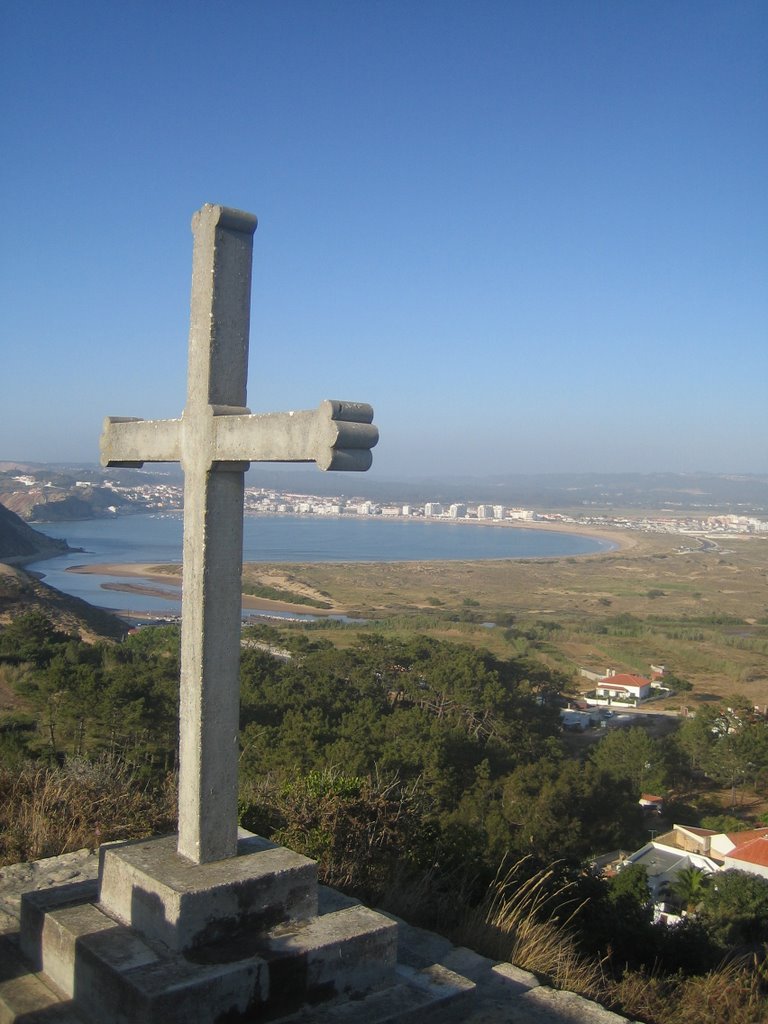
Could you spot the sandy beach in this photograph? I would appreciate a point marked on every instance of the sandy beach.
(148, 572)
(622, 540)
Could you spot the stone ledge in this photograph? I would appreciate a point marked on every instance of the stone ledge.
(505, 994)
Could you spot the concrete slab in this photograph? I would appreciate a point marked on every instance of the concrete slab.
(430, 996)
(35, 905)
(417, 946)
(346, 954)
(169, 899)
(29, 876)
(546, 1006)
(160, 990)
(467, 963)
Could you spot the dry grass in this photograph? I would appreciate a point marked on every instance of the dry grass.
(583, 594)
(732, 994)
(653, 579)
(527, 923)
(46, 811)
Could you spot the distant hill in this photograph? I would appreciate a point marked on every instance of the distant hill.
(21, 592)
(56, 493)
(725, 492)
(19, 543)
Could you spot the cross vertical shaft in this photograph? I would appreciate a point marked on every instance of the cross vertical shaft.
(215, 440)
(213, 538)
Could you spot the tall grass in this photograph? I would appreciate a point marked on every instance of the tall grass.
(732, 994)
(528, 923)
(48, 810)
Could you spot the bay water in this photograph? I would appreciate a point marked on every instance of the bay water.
(157, 538)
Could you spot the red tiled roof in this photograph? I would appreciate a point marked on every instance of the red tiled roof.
(754, 852)
(625, 679)
(740, 838)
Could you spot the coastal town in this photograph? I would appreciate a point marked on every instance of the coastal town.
(41, 497)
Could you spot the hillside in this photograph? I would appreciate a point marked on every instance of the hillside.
(19, 543)
(21, 593)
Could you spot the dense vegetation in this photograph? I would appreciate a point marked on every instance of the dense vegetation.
(427, 776)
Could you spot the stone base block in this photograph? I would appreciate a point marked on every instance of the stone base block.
(342, 955)
(168, 899)
(111, 973)
(157, 940)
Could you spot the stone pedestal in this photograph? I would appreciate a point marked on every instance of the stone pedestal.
(159, 940)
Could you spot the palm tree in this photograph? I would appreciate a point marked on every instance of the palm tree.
(688, 888)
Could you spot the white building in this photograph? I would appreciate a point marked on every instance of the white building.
(622, 688)
(457, 511)
(664, 863)
(433, 508)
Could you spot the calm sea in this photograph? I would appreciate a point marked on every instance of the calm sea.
(157, 539)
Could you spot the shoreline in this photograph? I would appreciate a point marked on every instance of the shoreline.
(144, 571)
(148, 571)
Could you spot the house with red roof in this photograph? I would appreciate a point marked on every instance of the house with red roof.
(724, 843)
(651, 803)
(688, 846)
(750, 855)
(622, 688)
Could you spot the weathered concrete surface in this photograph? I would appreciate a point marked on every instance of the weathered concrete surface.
(149, 886)
(428, 965)
(215, 440)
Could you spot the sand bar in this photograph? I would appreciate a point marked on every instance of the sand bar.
(149, 572)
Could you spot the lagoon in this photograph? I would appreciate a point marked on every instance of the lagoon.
(156, 539)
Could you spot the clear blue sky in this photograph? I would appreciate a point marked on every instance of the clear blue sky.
(532, 233)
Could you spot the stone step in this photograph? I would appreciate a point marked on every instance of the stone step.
(36, 904)
(104, 965)
(431, 995)
(24, 997)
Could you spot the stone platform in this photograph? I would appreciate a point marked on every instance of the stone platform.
(309, 955)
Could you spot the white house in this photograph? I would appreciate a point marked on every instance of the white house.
(750, 855)
(689, 847)
(622, 688)
(664, 863)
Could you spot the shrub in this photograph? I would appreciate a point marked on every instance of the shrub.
(46, 811)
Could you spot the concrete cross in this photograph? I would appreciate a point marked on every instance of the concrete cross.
(215, 440)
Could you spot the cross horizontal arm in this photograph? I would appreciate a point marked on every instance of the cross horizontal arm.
(336, 436)
(127, 441)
